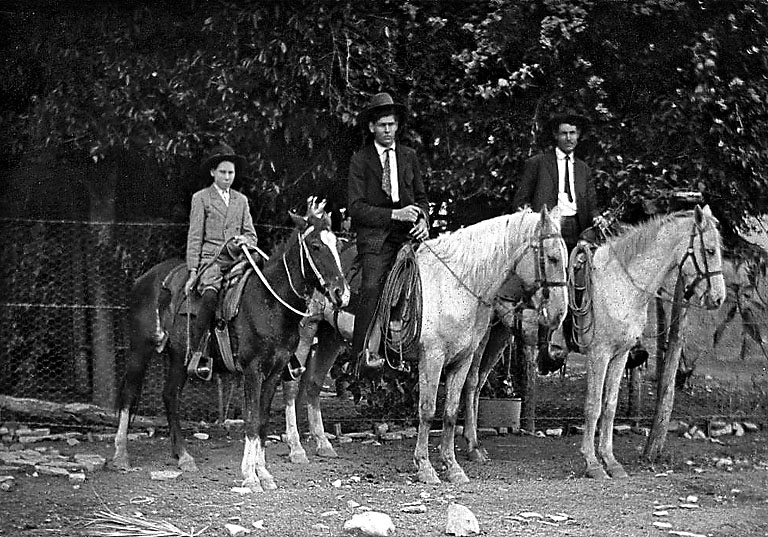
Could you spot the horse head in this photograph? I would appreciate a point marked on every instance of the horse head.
(538, 279)
(319, 247)
(702, 263)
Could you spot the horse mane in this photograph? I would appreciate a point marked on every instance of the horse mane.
(477, 252)
(638, 238)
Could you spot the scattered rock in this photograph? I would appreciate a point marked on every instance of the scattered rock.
(235, 530)
(165, 475)
(738, 429)
(241, 490)
(556, 432)
(370, 523)
(622, 429)
(751, 427)
(90, 462)
(662, 525)
(414, 508)
(201, 436)
(461, 521)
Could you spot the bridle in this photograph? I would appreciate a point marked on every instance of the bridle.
(541, 281)
(304, 252)
(700, 274)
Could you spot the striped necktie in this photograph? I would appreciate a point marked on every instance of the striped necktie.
(386, 181)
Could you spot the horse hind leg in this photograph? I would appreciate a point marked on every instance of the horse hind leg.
(141, 349)
(596, 368)
(174, 383)
(610, 401)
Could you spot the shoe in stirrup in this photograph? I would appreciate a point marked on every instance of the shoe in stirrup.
(293, 369)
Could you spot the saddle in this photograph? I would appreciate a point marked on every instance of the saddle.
(226, 310)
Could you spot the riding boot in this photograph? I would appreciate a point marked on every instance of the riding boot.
(205, 315)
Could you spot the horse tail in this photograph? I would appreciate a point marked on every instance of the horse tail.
(147, 299)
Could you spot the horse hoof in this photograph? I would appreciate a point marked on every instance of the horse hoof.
(428, 477)
(618, 472)
(478, 455)
(254, 485)
(187, 464)
(596, 472)
(299, 458)
(457, 477)
(121, 463)
(327, 452)
(268, 484)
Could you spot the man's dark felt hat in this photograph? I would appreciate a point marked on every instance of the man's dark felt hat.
(572, 118)
(379, 103)
(221, 153)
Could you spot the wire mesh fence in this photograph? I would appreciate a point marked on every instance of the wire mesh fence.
(64, 320)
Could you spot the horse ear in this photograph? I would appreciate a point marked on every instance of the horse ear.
(555, 213)
(299, 221)
(700, 213)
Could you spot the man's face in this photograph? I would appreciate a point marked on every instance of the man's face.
(567, 137)
(384, 129)
(224, 174)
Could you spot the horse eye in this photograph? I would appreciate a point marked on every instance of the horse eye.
(710, 251)
(553, 259)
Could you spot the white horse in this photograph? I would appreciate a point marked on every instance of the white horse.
(461, 275)
(627, 271)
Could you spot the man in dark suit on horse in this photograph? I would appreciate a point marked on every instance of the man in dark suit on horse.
(558, 178)
(388, 205)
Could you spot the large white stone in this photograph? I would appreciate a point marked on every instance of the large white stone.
(461, 521)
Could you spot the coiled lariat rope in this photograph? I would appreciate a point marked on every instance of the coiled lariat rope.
(580, 296)
(403, 290)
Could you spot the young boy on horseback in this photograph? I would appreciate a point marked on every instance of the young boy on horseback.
(220, 224)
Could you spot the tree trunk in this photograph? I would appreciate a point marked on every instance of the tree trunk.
(666, 378)
(81, 346)
(101, 191)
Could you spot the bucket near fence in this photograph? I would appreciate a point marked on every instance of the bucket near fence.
(495, 413)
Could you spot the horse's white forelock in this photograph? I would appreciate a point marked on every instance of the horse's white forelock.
(483, 252)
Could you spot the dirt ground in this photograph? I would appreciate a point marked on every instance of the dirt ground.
(725, 485)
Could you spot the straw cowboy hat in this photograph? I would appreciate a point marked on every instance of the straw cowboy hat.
(379, 103)
(219, 154)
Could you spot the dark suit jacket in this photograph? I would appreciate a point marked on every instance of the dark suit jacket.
(212, 223)
(539, 186)
(370, 207)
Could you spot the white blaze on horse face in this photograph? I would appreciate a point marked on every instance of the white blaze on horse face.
(329, 239)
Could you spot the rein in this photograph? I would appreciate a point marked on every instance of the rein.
(303, 252)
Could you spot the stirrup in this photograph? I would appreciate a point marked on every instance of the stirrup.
(200, 366)
(371, 360)
(401, 366)
(293, 369)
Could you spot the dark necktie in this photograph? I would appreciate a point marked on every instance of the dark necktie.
(386, 182)
(568, 178)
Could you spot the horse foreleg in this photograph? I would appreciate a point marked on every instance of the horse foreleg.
(253, 465)
(454, 382)
(174, 384)
(428, 382)
(297, 454)
(610, 400)
(319, 365)
(596, 368)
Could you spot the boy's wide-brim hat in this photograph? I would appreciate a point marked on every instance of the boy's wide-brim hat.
(220, 153)
(382, 102)
(572, 118)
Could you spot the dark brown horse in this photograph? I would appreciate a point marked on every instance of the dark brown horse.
(265, 328)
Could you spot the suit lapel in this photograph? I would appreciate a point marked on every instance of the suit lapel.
(551, 164)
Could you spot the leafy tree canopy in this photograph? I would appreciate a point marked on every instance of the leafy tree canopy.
(676, 92)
